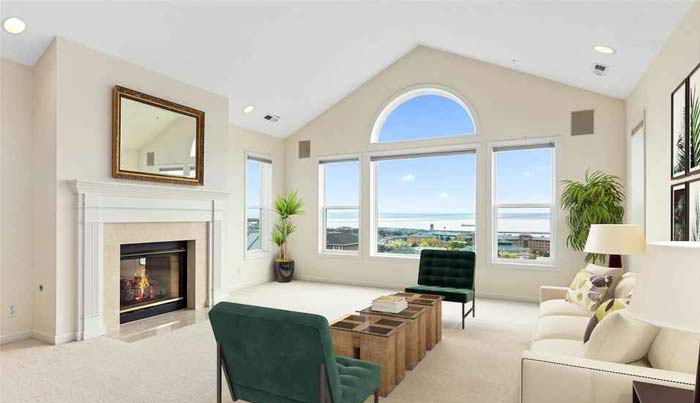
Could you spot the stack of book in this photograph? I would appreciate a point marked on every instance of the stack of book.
(390, 304)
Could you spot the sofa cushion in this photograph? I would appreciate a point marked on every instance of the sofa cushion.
(625, 288)
(563, 307)
(358, 379)
(561, 327)
(675, 350)
(620, 338)
(588, 289)
(451, 294)
(572, 348)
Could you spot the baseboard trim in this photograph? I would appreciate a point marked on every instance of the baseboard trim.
(15, 336)
(54, 339)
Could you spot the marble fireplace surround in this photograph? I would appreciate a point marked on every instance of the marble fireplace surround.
(113, 213)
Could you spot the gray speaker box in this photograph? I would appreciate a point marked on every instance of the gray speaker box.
(582, 122)
(305, 149)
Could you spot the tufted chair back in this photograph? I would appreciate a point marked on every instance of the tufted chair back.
(446, 268)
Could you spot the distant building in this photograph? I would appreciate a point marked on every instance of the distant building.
(341, 241)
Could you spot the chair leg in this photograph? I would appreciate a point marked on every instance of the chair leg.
(463, 316)
(474, 308)
(376, 396)
(218, 374)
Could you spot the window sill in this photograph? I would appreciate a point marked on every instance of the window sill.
(394, 256)
(257, 254)
(522, 265)
(337, 255)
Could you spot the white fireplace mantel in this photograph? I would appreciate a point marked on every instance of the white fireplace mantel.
(99, 203)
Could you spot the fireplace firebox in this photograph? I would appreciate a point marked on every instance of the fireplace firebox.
(152, 279)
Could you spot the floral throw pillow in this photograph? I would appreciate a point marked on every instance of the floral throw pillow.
(588, 289)
(605, 308)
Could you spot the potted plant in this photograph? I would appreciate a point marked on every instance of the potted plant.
(596, 200)
(286, 207)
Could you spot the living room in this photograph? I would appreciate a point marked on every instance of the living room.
(510, 174)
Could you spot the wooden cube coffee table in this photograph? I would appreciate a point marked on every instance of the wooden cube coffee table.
(376, 339)
(434, 305)
(415, 331)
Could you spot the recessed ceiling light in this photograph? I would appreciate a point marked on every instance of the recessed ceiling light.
(14, 25)
(604, 49)
(248, 109)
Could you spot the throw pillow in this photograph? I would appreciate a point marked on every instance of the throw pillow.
(603, 310)
(620, 338)
(588, 289)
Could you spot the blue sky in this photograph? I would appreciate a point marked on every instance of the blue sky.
(252, 186)
(440, 184)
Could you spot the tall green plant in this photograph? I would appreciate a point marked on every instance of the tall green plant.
(596, 200)
(286, 207)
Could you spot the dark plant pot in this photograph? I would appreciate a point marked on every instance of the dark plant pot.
(284, 271)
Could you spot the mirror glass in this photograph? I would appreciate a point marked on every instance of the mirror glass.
(157, 141)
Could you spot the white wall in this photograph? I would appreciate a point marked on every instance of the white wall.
(653, 94)
(70, 135)
(507, 105)
(17, 274)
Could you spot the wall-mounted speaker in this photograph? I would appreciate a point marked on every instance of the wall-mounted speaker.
(305, 149)
(582, 122)
(150, 158)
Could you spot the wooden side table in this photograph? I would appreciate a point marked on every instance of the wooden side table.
(643, 392)
(415, 332)
(370, 339)
(434, 305)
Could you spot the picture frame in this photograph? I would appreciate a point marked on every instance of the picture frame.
(679, 131)
(693, 120)
(693, 207)
(679, 212)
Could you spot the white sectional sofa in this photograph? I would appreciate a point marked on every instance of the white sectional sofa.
(559, 368)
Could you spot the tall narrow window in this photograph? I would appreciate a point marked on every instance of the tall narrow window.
(523, 198)
(258, 193)
(424, 201)
(339, 197)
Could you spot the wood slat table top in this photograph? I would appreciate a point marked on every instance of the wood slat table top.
(420, 299)
(367, 325)
(412, 312)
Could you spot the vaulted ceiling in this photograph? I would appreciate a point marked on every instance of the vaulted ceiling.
(296, 59)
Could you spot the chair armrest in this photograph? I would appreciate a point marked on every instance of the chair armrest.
(553, 378)
(550, 292)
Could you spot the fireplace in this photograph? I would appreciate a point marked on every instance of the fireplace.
(152, 279)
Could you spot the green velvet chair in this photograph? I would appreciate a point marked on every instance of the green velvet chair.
(275, 356)
(447, 273)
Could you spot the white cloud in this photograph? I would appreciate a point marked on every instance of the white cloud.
(527, 173)
(408, 178)
(444, 195)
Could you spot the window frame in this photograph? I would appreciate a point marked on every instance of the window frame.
(413, 92)
(323, 208)
(523, 144)
(412, 153)
(266, 162)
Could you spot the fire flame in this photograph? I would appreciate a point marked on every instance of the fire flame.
(142, 285)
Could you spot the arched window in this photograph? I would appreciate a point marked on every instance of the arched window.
(423, 113)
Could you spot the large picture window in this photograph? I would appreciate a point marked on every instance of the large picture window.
(424, 201)
(339, 206)
(258, 194)
(523, 201)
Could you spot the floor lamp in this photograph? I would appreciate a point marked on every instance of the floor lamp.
(615, 240)
(666, 294)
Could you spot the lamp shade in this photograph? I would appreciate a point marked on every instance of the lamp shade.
(615, 239)
(666, 293)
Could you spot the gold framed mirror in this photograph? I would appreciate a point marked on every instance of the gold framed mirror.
(156, 140)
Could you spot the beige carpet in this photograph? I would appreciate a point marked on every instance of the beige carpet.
(480, 364)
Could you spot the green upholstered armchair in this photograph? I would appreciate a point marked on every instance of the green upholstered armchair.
(275, 356)
(447, 273)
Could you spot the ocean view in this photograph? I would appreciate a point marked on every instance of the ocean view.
(515, 222)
